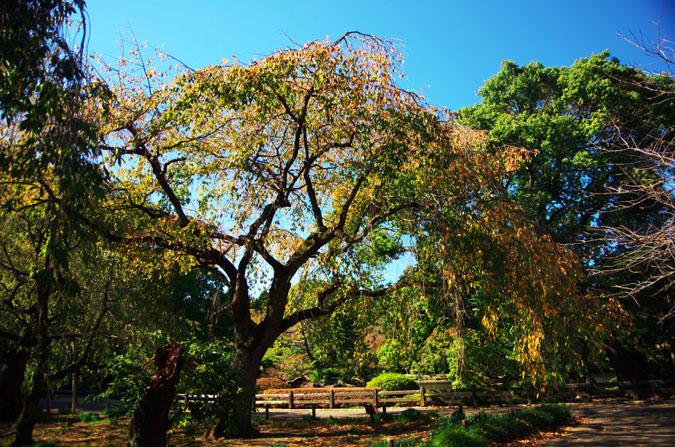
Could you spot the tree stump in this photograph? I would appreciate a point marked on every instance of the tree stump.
(150, 421)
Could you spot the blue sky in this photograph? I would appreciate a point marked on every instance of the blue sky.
(451, 47)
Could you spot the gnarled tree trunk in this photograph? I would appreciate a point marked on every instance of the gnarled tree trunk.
(23, 428)
(150, 421)
(11, 378)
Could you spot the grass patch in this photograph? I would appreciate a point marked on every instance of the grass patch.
(411, 415)
(482, 429)
(89, 417)
(413, 442)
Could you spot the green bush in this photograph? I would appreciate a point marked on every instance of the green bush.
(89, 417)
(411, 415)
(484, 428)
(538, 418)
(208, 372)
(560, 414)
(516, 426)
(492, 430)
(317, 375)
(455, 436)
(413, 442)
(113, 412)
(392, 382)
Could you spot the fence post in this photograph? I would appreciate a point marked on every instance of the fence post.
(267, 411)
(290, 400)
(331, 398)
(528, 391)
(589, 388)
(313, 411)
(635, 387)
(375, 402)
(423, 397)
(473, 396)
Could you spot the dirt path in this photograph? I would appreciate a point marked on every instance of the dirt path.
(360, 413)
(620, 423)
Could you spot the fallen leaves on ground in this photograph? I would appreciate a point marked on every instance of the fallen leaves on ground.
(68, 430)
(64, 430)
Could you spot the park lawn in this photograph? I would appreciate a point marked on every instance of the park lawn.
(68, 430)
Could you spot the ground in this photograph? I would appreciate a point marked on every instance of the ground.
(602, 424)
(621, 423)
(67, 430)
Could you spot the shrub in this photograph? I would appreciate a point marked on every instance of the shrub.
(484, 428)
(89, 417)
(560, 414)
(492, 429)
(113, 412)
(266, 383)
(516, 426)
(208, 372)
(392, 382)
(457, 416)
(455, 436)
(318, 390)
(413, 442)
(411, 415)
(318, 375)
(538, 418)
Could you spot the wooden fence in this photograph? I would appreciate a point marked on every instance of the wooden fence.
(436, 392)
(334, 397)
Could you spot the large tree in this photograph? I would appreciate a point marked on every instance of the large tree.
(290, 169)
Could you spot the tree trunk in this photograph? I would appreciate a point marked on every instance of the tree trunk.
(11, 378)
(73, 382)
(246, 366)
(251, 341)
(627, 367)
(23, 429)
(150, 421)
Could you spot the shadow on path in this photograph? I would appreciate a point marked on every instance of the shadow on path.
(620, 423)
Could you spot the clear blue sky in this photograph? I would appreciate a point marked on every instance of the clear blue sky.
(451, 47)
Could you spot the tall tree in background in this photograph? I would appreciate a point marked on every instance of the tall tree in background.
(582, 167)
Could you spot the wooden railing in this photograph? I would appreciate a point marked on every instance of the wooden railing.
(434, 391)
(333, 397)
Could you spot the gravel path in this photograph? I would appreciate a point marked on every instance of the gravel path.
(608, 423)
(620, 423)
